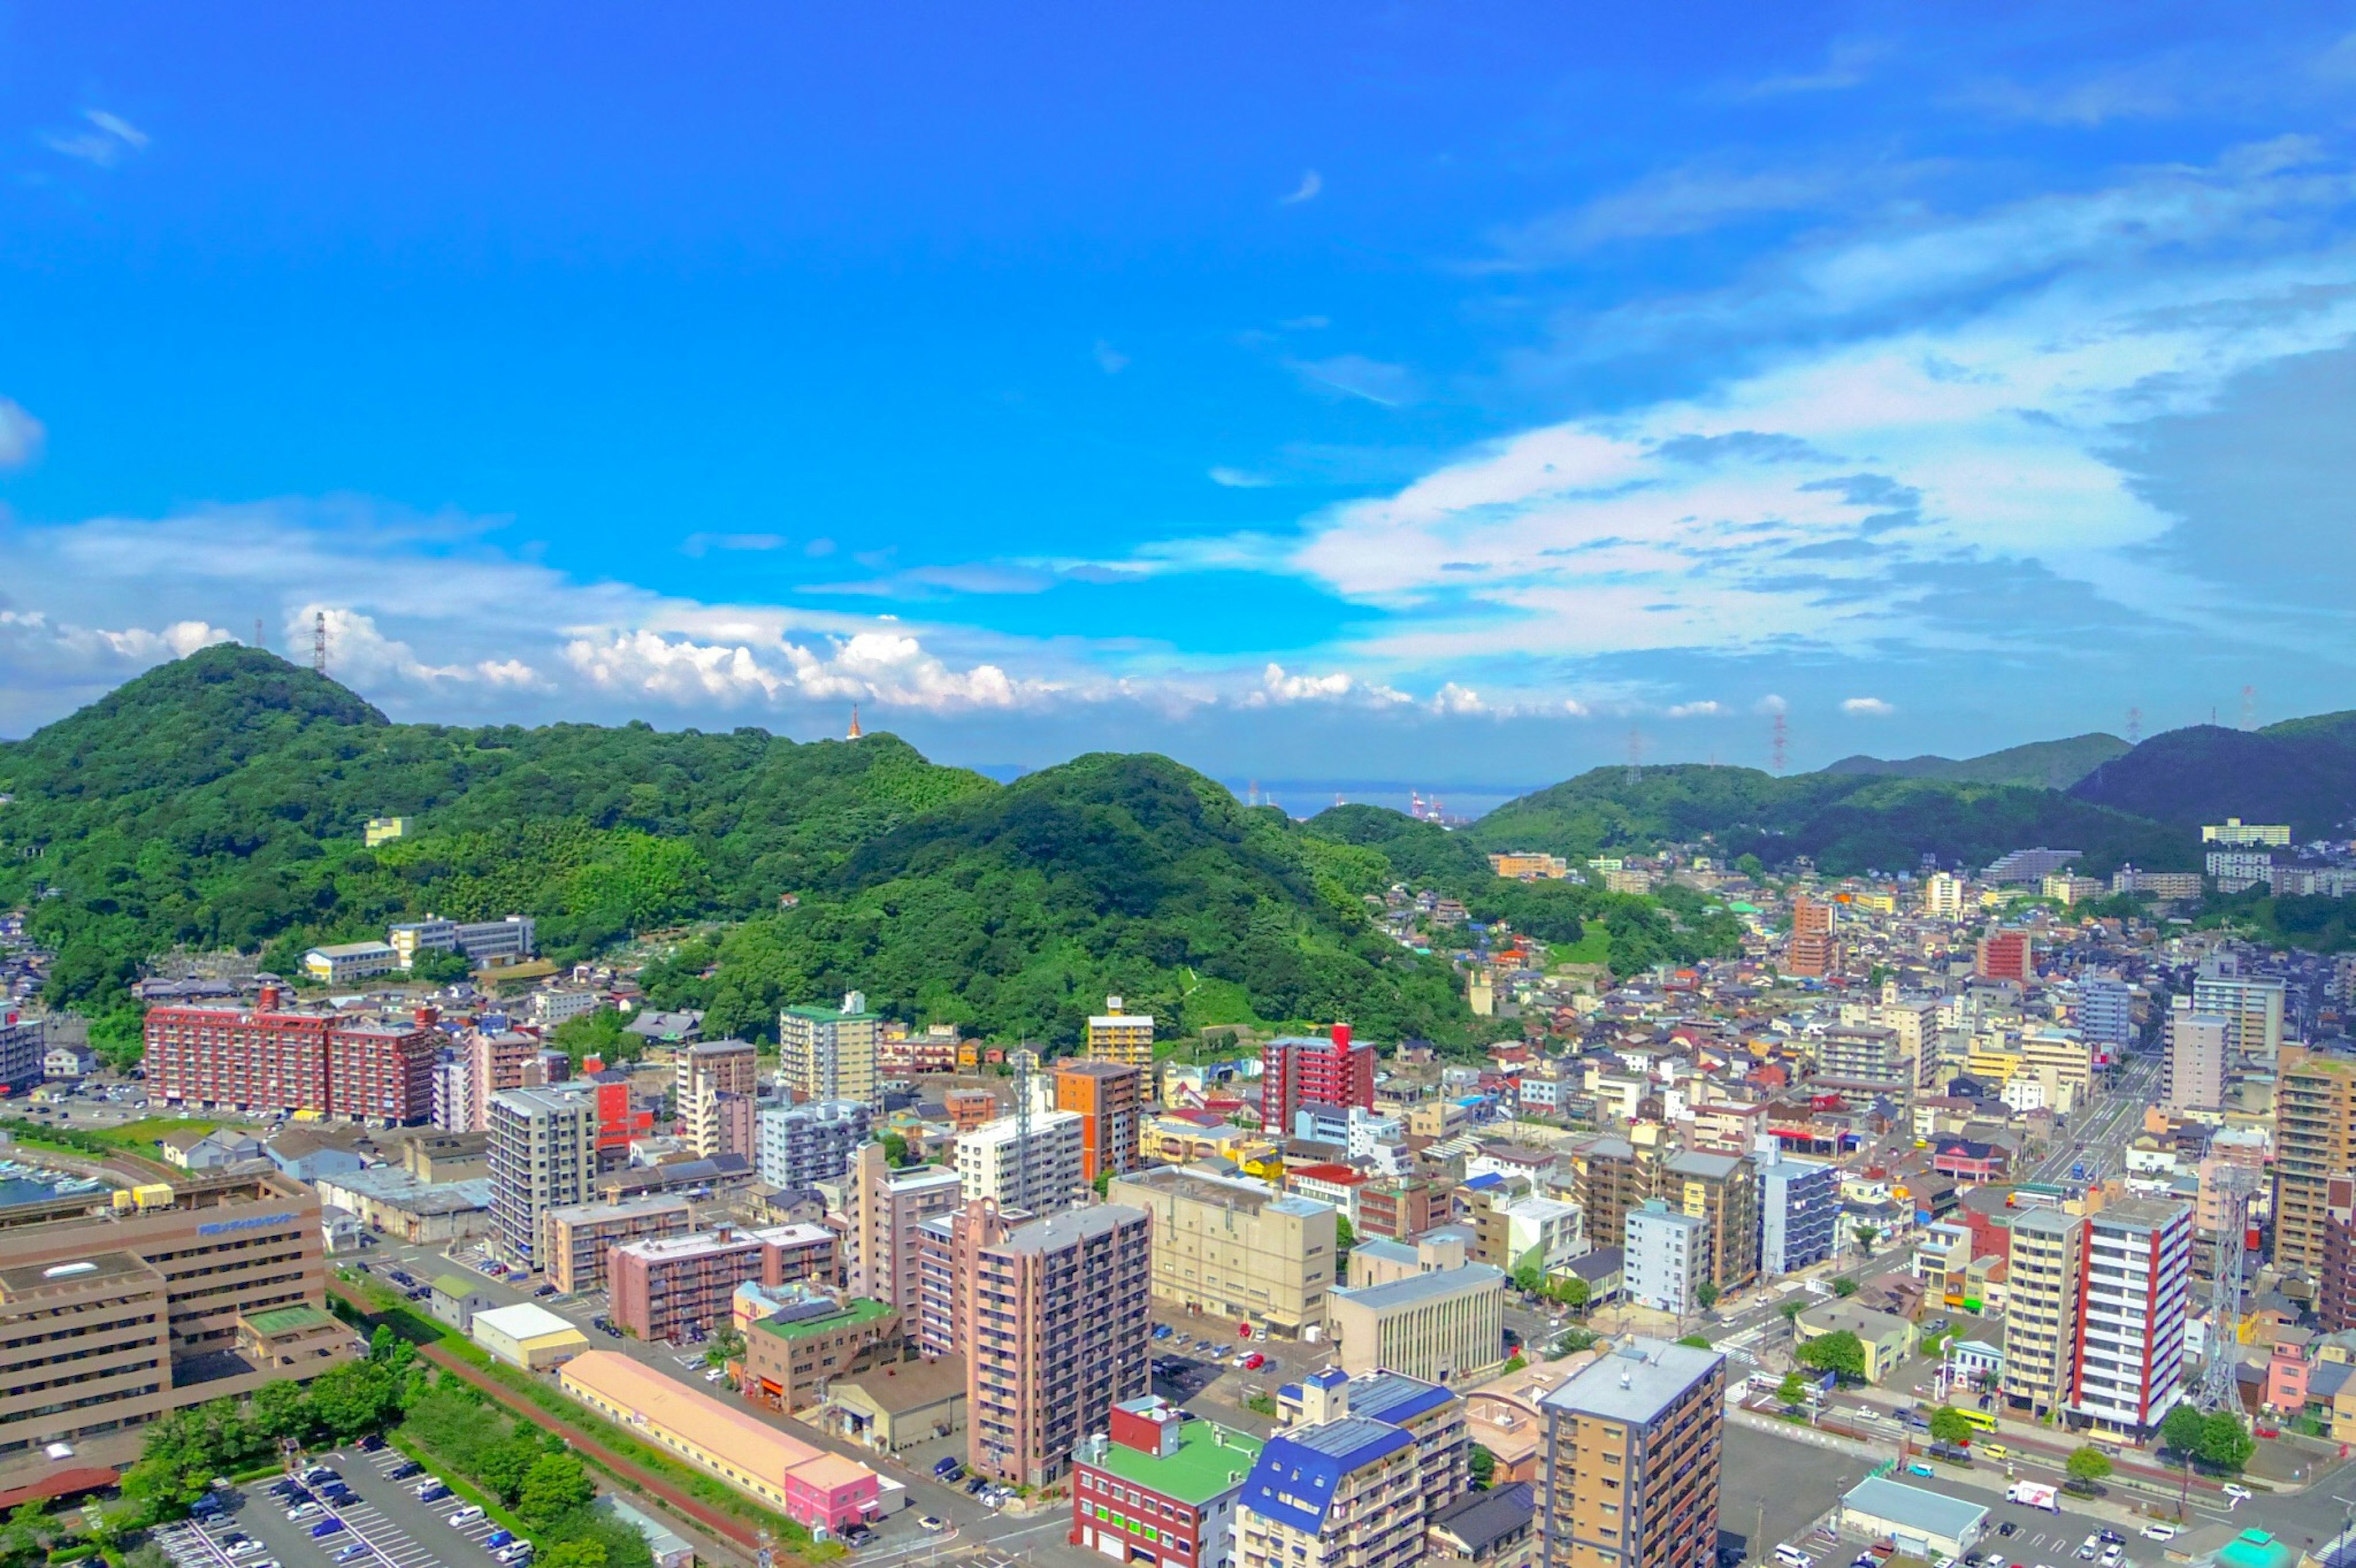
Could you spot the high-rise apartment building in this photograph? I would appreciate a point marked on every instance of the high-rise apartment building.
(814, 1141)
(121, 1307)
(1610, 1178)
(2315, 1142)
(1108, 1097)
(1666, 1254)
(580, 1236)
(2047, 1267)
(454, 1095)
(271, 1058)
(1811, 954)
(2192, 1072)
(671, 1287)
(1629, 1474)
(883, 1209)
(2251, 1005)
(1942, 896)
(705, 1077)
(499, 1060)
(1428, 1413)
(1235, 1249)
(1052, 1316)
(1032, 1164)
(1721, 1190)
(543, 1156)
(2131, 1310)
(1123, 1037)
(1799, 1210)
(2106, 1012)
(829, 1053)
(1295, 1068)
(1865, 1054)
(2005, 956)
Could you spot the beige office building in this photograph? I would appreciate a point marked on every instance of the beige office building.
(828, 1053)
(2314, 1141)
(2040, 1318)
(883, 1208)
(701, 1075)
(2064, 1063)
(1628, 1476)
(1446, 1326)
(1235, 1249)
(580, 1234)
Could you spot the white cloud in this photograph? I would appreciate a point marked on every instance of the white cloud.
(33, 636)
(1279, 686)
(1110, 361)
(20, 435)
(1702, 710)
(1355, 375)
(701, 544)
(1312, 183)
(1771, 703)
(1239, 479)
(1454, 699)
(1868, 706)
(110, 140)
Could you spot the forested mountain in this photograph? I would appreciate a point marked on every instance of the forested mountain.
(2302, 771)
(2040, 765)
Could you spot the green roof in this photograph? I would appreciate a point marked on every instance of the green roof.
(1203, 1468)
(851, 1315)
(2255, 1549)
(286, 1320)
(455, 1286)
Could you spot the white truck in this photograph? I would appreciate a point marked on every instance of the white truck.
(2034, 1494)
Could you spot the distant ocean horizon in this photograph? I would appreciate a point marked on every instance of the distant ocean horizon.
(1306, 797)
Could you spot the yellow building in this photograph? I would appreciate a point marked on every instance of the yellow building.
(527, 1336)
(383, 830)
(1235, 1249)
(1173, 1140)
(1117, 1036)
(1994, 1060)
(1519, 865)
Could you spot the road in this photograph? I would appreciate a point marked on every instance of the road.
(2099, 1137)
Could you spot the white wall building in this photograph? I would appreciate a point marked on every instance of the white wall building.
(1663, 1257)
(2131, 1313)
(1041, 1174)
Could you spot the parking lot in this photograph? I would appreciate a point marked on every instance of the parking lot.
(382, 1524)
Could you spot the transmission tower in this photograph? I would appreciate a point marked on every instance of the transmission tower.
(257, 633)
(1635, 755)
(2135, 726)
(319, 643)
(2234, 1185)
(1775, 750)
(1022, 1127)
(2249, 708)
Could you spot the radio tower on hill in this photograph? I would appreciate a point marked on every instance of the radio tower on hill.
(319, 643)
(1775, 751)
(1635, 755)
(2135, 726)
(2249, 708)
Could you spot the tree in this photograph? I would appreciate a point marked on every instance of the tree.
(1840, 1353)
(727, 1346)
(2088, 1465)
(2182, 1429)
(1345, 1235)
(24, 1539)
(1484, 1467)
(1573, 1293)
(554, 1486)
(1844, 1288)
(895, 1149)
(2225, 1443)
(504, 1466)
(439, 966)
(1695, 1340)
(1793, 1388)
(1515, 1363)
(1948, 1425)
(1792, 1309)
(575, 1554)
(1866, 1236)
(1707, 1294)
(281, 1411)
(1530, 1274)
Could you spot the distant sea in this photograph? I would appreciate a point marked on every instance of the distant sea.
(1306, 797)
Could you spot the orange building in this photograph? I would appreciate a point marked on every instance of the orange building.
(1109, 1098)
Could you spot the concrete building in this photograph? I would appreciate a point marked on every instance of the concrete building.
(792, 1357)
(1121, 1037)
(1159, 1489)
(1401, 1208)
(674, 1286)
(815, 1488)
(1444, 1327)
(1038, 1169)
(2192, 1074)
(1234, 1248)
(898, 1406)
(151, 1299)
(581, 1235)
(1667, 1256)
(1868, 1054)
(2129, 1363)
(501, 1059)
(1335, 1496)
(1051, 1318)
(828, 1053)
(2106, 1012)
(2252, 1007)
(1609, 1178)
(809, 1143)
(484, 944)
(709, 1079)
(343, 963)
(1799, 1210)
(527, 1335)
(543, 1151)
(1721, 1190)
(2041, 1322)
(271, 1058)
(1633, 1459)
(25, 1053)
(885, 1209)
(1108, 1097)
(1434, 1417)
(2005, 956)
(1812, 952)
(1295, 1069)
(1918, 1521)
(2315, 1142)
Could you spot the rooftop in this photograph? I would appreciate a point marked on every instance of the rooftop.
(1224, 1191)
(1435, 1286)
(1396, 1397)
(524, 1321)
(844, 1315)
(1211, 1459)
(1073, 1225)
(1299, 1470)
(290, 1319)
(1933, 1513)
(1478, 1521)
(1637, 1383)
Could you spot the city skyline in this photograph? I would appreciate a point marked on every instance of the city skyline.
(1292, 395)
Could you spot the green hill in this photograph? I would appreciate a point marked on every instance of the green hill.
(2040, 765)
(2302, 771)
(219, 801)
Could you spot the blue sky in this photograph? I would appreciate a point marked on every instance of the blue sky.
(1428, 394)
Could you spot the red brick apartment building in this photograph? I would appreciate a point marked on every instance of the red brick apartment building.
(271, 1058)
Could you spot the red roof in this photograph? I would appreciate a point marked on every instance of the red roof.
(1338, 1175)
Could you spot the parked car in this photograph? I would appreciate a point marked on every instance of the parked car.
(1254, 1361)
(301, 1511)
(518, 1552)
(357, 1549)
(500, 1538)
(466, 1515)
(545, 1290)
(371, 1443)
(1920, 1469)
(432, 1492)
(325, 1527)
(949, 1469)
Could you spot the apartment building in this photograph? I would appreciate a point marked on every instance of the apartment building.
(1341, 1495)
(2192, 1072)
(1109, 1098)
(2131, 1312)
(672, 1288)
(271, 1058)
(815, 1141)
(1666, 1256)
(1865, 1054)
(2064, 1063)
(1811, 954)
(1295, 1069)
(828, 1053)
(2005, 956)
(1432, 1415)
(1446, 1326)
(543, 1154)
(121, 1307)
(2046, 1262)
(1401, 1208)
(791, 1356)
(1799, 1210)
(1609, 1178)
(500, 1060)
(1031, 1162)
(1630, 1469)
(2314, 1141)
(1121, 1037)
(2252, 1007)
(1234, 1248)
(1721, 1191)
(1052, 1316)
(1160, 1489)
(2106, 1012)
(486, 943)
(883, 1209)
(580, 1235)
(711, 1080)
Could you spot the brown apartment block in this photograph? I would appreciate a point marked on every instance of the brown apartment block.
(1722, 1191)
(1109, 1097)
(1609, 1178)
(1401, 1208)
(193, 1291)
(669, 1287)
(1811, 953)
(580, 1234)
(1629, 1473)
(2314, 1141)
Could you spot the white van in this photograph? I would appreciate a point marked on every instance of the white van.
(1791, 1556)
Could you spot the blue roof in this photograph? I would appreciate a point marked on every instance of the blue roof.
(1396, 1397)
(1483, 1181)
(1298, 1471)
